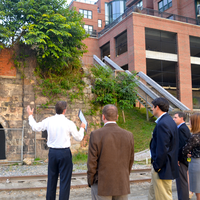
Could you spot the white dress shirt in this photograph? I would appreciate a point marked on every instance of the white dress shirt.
(58, 129)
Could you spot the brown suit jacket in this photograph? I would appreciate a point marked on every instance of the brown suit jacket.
(110, 158)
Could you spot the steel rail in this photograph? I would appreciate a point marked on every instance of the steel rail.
(74, 175)
(22, 179)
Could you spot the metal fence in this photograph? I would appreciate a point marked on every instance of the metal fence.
(13, 144)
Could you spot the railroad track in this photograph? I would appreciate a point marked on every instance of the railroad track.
(38, 182)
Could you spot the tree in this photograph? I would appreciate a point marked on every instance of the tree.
(49, 27)
(120, 90)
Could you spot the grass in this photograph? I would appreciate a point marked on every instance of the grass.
(79, 158)
(136, 123)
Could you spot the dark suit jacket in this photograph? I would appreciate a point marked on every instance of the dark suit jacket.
(110, 158)
(184, 135)
(164, 148)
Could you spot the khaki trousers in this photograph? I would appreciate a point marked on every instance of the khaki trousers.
(95, 196)
(159, 189)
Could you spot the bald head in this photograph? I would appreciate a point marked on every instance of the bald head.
(110, 112)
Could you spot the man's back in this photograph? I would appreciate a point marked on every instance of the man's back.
(114, 150)
(184, 135)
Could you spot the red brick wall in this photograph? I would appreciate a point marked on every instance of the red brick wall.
(7, 68)
(148, 4)
(180, 7)
(93, 49)
(184, 68)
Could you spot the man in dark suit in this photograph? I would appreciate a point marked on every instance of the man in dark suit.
(110, 159)
(164, 152)
(184, 135)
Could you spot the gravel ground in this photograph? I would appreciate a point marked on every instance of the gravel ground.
(138, 191)
(24, 170)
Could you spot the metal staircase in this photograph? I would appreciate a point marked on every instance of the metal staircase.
(146, 93)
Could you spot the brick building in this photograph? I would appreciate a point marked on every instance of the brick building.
(158, 37)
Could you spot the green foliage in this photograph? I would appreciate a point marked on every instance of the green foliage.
(49, 27)
(195, 101)
(70, 84)
(111, 90)
(80, 157)
(136, 123)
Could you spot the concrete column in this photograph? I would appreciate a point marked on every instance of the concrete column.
(184, 70)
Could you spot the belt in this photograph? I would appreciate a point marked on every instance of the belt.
(59, 148)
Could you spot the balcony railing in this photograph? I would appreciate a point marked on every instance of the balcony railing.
(151, 12)
(92, 33)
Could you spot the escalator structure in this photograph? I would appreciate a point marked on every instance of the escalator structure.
(147, 89)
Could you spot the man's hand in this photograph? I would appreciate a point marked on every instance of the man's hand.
(178, 163)
(29, 111)
(82, 125)
(189, 155)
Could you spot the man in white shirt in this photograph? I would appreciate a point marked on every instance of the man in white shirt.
(58, 129)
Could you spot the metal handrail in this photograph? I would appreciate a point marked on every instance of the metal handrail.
(162, 91)
(99, 61)
(140, 84)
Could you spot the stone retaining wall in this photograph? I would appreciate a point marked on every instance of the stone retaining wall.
(16, 93)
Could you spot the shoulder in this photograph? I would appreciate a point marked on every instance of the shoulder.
(166, 119)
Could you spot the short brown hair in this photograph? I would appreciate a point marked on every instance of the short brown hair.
(110, 112)
(181, 114)
(195, 123)
(60, 107)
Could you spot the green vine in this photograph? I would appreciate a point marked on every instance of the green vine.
(70, 85)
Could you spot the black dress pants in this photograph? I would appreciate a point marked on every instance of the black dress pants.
(182, 183)
(60, 161)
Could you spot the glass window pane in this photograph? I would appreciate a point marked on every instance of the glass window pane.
(160, 4)
(80, 10)
(169, 1)
(165, 2)
(90, 28)
(85, 13)
(86, 27)
(89, 14)
(99, 23)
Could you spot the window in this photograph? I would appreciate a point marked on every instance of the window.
(105, 50)
(86, 13)
(88, 29)
(161, 41)
(99, 23)
(139, 4)
(161, 71)
(121, 43)
(164, 5)
(198, 7)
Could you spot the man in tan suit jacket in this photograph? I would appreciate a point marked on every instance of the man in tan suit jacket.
(110, 158)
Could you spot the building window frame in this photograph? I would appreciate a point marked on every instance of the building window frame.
(88, 29)
(164, 5)
(86, 13)
(99, 23)
(121, 43)
(140, 4)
